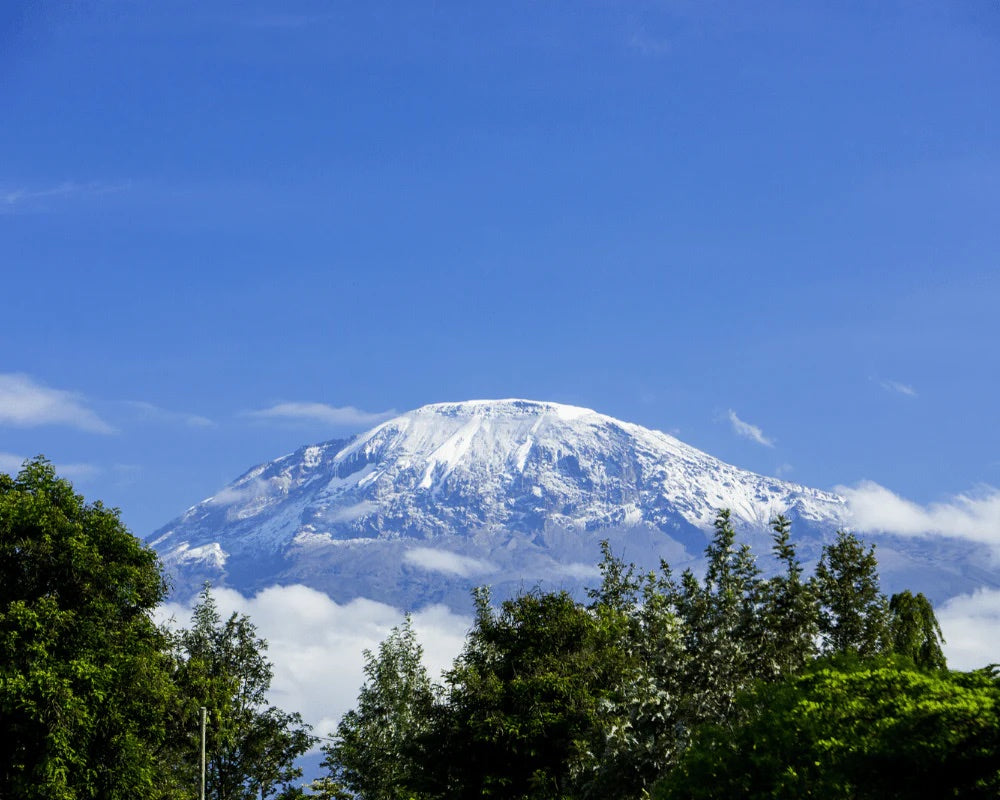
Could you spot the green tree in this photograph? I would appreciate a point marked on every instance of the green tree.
(527, 703)
(641, 730)
(721, 626)
(790, 611)
(853, 610)
(913, 630)
(84, 676)
(374, 752)
(852, 730)
(251, 746)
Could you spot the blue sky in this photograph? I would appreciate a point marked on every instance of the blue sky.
(229, 229)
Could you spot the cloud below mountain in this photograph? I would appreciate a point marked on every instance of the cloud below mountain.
(971, 627)
(445, 561)
(317, 646)
(973, 516)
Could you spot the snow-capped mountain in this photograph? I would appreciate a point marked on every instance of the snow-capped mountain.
(507, 492)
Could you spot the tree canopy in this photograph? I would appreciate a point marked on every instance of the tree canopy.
(658, 680)
(84, 673)
(728, 685)
(852, 729)
(96, 700)
(221, 664)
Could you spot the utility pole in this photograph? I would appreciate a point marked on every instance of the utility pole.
(203, 712)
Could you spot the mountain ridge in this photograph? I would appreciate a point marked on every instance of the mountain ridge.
(425, 504)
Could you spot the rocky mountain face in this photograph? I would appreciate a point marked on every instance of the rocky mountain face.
(511, 493)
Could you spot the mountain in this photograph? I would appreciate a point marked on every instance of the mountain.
(513, 493)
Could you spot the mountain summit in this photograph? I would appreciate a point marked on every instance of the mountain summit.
(507, 492)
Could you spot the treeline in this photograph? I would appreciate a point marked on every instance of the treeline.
(734, 685)
(658, 685)
(96, 700)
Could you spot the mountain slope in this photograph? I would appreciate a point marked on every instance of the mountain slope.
(508, 492)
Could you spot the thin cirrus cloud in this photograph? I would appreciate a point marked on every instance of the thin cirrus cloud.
(898, 388)
(154, 413)
(23, 199)
(974, 516)
(24, 403)
(748, 431)
(335, 416)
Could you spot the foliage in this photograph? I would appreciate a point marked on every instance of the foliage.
(84, 679)
(251, 746)
(373, 754)
(853, 614)
(554, 699)
(789, 612)
(913, 630)
(720, 625)
(850, 728)
(527, 703)
(641, 729)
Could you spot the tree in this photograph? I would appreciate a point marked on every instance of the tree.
(526, 710)
(853, 613)
(848, 729)
(721, 626)
(641, 738)
(84, 676)
(790, 611)
(913, 630)
(251, 746)
(374, 753)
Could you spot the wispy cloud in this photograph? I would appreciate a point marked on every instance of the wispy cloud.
(974, 516)
(21, 199)
(154, 413)
(748, 431)
(341, 417)
(27, 404)
(445, 561)
(241, 493)
(898, 388)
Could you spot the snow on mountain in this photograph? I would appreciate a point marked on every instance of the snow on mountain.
(508, 492)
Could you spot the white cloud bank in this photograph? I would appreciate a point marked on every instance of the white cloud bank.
(27, 404)
(973, 516)
(316, 645)
(343, 416)
(971, 627)
(748, 431)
